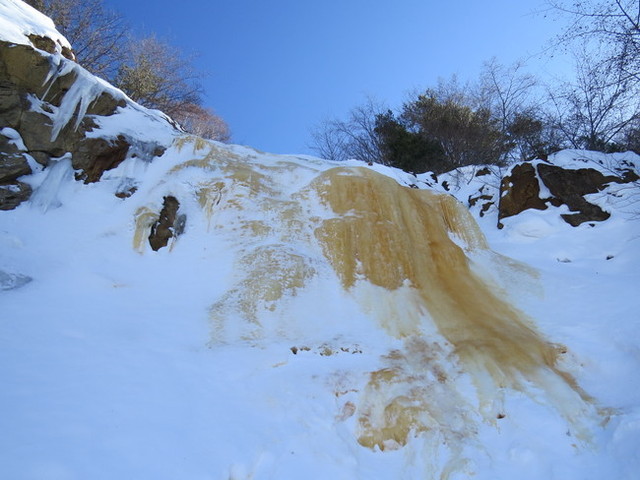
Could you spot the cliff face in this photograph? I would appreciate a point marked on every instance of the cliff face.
(50, 108)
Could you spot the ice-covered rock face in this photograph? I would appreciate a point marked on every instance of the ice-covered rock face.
(402, 254)
(52, 107)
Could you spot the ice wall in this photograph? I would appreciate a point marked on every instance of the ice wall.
(396, 237)
(402, 255)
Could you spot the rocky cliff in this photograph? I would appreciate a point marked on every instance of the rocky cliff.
(50, 108)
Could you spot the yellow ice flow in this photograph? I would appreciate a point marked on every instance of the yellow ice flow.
(393, 236)
(242, 200)
(397, 251)
(145, 218)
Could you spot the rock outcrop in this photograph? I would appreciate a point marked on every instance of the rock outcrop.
(539, 184)
(168, 225)
(50, 107)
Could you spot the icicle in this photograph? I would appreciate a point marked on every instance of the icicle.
(84, 91)
(46, 195)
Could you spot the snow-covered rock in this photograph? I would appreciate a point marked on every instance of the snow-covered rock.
(52, 107)
(541, 184)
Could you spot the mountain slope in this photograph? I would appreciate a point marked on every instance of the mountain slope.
(218, 312)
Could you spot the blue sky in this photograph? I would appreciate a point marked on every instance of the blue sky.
(277, 68)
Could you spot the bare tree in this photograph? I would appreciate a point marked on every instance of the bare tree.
(327, 142)
(201, 121)
(510, 94)
(37, 4)
(355, 137)
(506, 91)
(593, 111)
(97, 34)
(612, 24)
(157, 75)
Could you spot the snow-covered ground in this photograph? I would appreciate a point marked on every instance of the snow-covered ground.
(143, 365)
(252, 348)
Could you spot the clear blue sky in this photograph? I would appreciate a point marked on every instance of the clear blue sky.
(276, 68)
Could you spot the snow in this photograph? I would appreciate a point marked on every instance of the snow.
(19, 20)
(237, 352)
(55, 180)
(116, 371)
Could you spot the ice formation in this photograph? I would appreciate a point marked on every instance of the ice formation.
(402, 254)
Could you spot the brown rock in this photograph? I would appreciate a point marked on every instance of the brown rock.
(105, 105)
(13, 194)
(31, 88)
(58, 87)
(10, 103)
(519, 191)
(35, 129)
(168, 225)
(13, 166)
(570, 186)
(24, 67)
(43, 43)
(13, 163)
(94, 156)
(48, 45)
(68, 53)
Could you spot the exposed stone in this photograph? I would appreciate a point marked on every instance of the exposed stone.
(35, 129)
(127, 192)
(58, 87)
(158, 151)
(31, 90)
(48, 45)
(25, 68)
(13, 194)
(94, 156)
(570, 186)
(12, 167)
(105, 105)
(519, 191)
(169, 224)
(13, 163)
(628, 176)
(487, 202)
(473, 199)
(10, 103)
(43, 43)
(68, 53)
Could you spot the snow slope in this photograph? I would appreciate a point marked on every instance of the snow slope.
(314, 319)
